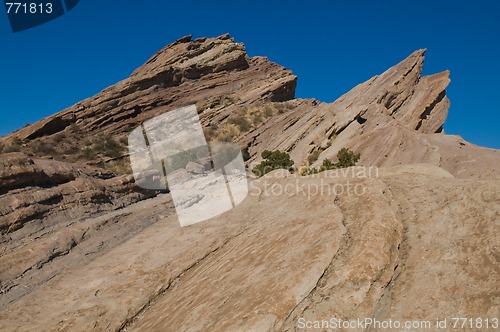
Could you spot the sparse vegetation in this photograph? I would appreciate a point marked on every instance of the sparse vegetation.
(14, 145)
(121, 166)
(268, 111)
(88, 153)
(347, 158)
(107, 145)
(240, 121)
(181, 159)
(12, 148)
(71, 149)
(227, 134)
(273, 160)
(257, 117)
(75, 129)
(313, 157)
(43, 149)
(222, 101)
(244, 120)
(59, 137)
(16, 141)
(283, 107)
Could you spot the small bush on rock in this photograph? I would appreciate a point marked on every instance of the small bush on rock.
(273, 160)
(347, 158)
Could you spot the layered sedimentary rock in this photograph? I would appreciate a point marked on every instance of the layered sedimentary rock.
(404, 243)
(83, 248)
(39, 193)
(209, 72)
(394, 118)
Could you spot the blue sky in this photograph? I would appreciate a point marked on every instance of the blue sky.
(330, 45)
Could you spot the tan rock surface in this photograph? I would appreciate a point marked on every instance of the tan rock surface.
(37, 193)
(394, 118)
(83, 248)
(406, 248)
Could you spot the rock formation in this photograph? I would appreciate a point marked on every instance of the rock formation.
(83, 248)
(395, 118)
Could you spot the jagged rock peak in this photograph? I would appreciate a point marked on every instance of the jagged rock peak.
(193, 58)
(415, 101)
(208, 72)
(418, 102)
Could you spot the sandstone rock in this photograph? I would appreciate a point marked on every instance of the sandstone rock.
(184, 72)
(383, 118)
(44, 191)
(17, 170)
(84, 249)
(389, 252)
(394, 118)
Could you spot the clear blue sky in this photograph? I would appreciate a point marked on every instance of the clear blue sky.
(331, 46)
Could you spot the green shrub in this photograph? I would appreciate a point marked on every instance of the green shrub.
(328, 165)
(347, 158)
(309, 171)
(273, 160)
(283, 107)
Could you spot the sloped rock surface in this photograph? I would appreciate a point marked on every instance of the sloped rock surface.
(214, 73)
(37, 193)
(204, 71)
(394, 118)
(84, 249)
(390, 251)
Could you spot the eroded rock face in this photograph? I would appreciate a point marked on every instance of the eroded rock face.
(397, 247)
(83, 249)
(209, 72)
(214, 73)
(37, 193)
(394, 118)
